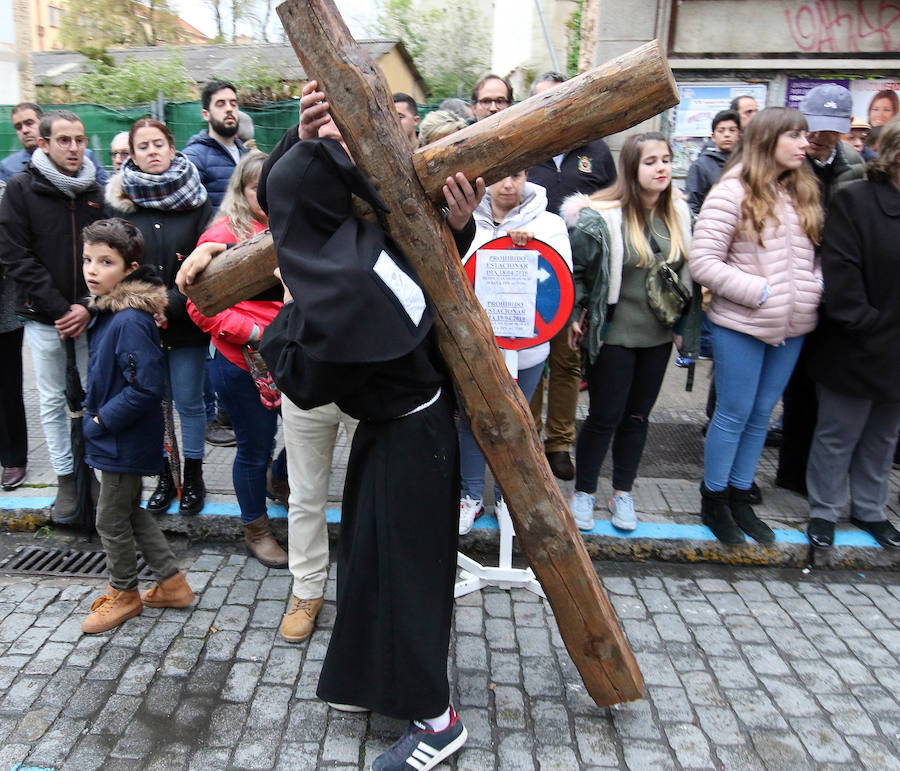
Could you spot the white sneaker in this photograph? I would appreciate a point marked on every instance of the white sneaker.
(468, 509)
(582, 506)
(621, 507)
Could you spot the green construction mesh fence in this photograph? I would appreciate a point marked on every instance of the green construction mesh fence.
(101, 123)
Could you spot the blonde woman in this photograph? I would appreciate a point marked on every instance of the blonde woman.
(617, 235)
(232, 330)
(754, 249)
(438, 124)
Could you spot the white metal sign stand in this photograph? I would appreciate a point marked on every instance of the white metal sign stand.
(475, 576)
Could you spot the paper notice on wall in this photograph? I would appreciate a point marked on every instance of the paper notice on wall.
(506, 287)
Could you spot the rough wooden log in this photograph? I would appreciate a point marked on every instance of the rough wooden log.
(241, 272)
(498, 414)
(607, 99)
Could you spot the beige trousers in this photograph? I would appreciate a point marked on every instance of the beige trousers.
(309, 437)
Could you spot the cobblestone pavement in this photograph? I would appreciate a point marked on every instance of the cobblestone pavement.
(744, 669)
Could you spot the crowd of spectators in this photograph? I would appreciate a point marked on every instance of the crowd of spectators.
(782, 230)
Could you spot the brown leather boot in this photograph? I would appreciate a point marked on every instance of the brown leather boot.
(300, 619)
(173, 592)
(111, 609)
(262, 544)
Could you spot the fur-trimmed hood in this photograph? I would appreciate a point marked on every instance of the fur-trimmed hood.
(572, 207)
(115, 195)
(141, 290)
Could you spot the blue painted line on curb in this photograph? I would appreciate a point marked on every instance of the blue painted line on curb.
(660, 531)
(12, 502)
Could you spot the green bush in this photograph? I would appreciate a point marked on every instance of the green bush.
(134, 82)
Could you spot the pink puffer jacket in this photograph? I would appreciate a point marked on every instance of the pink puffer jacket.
(737, 270)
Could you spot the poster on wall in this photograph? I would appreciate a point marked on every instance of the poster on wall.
(691, 121)
(875, 101)
(797, 88)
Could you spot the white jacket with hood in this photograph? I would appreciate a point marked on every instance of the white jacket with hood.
(531, 215)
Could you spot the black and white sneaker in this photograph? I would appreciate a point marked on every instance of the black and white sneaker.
(420, 748)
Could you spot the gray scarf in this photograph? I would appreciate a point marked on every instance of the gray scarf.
(68, 186)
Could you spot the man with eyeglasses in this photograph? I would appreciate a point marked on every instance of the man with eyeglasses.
(490, 95)
(118, 150)
(25, 118)
(41, 218)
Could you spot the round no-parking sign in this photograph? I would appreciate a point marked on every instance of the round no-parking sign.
(504, 285)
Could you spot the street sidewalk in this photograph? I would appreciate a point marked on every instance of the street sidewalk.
(666, 496)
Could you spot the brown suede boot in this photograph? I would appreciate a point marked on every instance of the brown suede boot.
(262, 544)
(172, 592)
(300, 619)
(111, 609)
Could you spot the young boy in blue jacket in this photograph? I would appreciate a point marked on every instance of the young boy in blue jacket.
(123, 423)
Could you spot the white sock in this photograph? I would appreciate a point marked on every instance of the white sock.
(440, 722)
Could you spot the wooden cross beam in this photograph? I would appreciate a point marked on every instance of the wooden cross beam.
(362, 107)
(602, 101)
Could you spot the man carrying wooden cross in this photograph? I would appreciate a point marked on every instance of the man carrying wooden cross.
(605, 100)
(361, 335)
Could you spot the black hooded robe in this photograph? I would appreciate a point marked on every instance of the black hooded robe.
(351, 339)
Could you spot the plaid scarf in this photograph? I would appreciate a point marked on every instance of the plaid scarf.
(178, 188)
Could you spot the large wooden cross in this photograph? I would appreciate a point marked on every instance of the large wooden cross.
(607, 99)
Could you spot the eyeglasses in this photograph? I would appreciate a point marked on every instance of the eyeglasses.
(501, 102)
(118, 153)
(68, 141)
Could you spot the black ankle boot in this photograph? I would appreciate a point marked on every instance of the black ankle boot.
(193, 491)
(716, 515)
(745, 518)
(164, 493)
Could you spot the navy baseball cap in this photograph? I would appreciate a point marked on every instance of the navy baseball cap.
(827, 108)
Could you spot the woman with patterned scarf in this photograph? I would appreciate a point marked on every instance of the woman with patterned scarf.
(159, 191)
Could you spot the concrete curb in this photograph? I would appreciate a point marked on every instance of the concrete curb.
(650, 542)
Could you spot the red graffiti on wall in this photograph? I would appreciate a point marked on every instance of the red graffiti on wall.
(832, 26)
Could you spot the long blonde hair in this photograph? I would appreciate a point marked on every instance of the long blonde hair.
(760, 178)
(626, 192)
(234, 206)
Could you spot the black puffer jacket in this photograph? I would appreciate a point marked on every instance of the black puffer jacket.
(703, 174)
(166, 235)
(40, 243)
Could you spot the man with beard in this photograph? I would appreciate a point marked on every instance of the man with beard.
(216, 151)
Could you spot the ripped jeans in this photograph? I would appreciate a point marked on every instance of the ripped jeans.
(623, 384)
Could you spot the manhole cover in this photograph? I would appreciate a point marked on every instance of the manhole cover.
(43, 561)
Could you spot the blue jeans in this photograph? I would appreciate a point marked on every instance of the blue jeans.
(254, 431)
(48, 353)
(186, 368)
(750, 377)
(471, 461)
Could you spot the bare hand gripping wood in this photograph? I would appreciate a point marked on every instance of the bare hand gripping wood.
(362, 106)
(602, 101)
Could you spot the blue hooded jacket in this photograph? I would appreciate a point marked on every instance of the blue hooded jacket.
(214, 163)
(125, 386)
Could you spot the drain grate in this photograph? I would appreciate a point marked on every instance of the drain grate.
(43, 561)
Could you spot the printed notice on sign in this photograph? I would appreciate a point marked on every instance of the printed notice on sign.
(506, 287)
